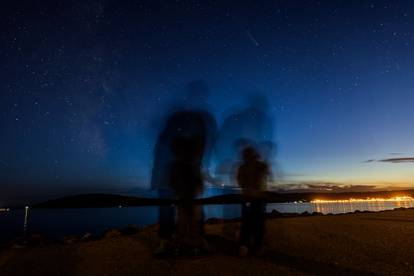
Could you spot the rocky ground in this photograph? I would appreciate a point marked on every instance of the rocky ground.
(351, 244)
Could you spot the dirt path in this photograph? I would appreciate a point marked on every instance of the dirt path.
(128, 256)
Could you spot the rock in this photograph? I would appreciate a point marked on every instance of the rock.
(275, 214)
(17, 246)
(35, 239)
(86, 237)
(113, 233)
(130, 230)
(32, 240)
(70, 239)
(214, 220)
(289, 215)
(17, 243)
(317, 214)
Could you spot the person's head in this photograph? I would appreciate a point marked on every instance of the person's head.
(250, 154)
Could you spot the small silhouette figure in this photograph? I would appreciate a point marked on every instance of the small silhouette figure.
(252, 177)
(247, 125)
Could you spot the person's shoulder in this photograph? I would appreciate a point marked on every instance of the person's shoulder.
(263, 165)
(243, 166)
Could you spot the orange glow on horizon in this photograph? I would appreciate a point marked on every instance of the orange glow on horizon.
(396, 198)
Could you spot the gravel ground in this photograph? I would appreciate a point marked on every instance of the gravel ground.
(352, 244)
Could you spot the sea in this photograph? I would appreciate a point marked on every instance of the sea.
(57, 223)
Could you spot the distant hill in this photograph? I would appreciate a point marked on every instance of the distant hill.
(99, 200)
(111, 200)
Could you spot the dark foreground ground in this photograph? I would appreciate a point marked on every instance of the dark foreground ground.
(352, 244)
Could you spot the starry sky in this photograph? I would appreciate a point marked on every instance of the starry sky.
(84, 85)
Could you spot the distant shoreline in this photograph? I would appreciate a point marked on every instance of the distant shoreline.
(99, 200)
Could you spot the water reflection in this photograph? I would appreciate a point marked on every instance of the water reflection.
(26, 217)
(59, 222)
(352, 206)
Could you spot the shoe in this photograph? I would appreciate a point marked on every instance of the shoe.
(163, 249)
(259, 251)
(243, 251)
(206, 247)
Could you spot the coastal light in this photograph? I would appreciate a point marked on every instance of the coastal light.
(26, 217)
(375, 199)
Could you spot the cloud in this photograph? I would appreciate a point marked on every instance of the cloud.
(398, 160)
(369, 161)
(316, 186)
(340, 187)
(395, 160)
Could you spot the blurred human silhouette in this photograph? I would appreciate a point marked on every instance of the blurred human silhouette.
(181, 160)
(187, 181)
(252, 177)
(249, 125)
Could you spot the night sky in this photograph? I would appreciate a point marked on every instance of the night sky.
(84, 85)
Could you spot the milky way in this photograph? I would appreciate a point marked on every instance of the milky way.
(85, 85)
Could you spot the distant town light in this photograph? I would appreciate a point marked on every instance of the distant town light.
(396, 198)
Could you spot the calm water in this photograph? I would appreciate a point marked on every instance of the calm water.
(56, 223)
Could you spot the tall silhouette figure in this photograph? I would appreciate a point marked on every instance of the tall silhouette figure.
(252, 177)
(181, 161)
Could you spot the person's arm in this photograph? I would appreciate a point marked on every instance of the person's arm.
(269, 176)
(240, 177)
(209, 178)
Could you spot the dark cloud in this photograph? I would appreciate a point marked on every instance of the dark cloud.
(398, 160)
(324, 187)
(392, 160)
(369, 161)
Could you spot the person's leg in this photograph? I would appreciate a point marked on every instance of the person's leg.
(196, 228)
(188, 238)
(203, 246)
(200, 219)
(245, 225)
(166, 223)
(258, 215)
(166, 215)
